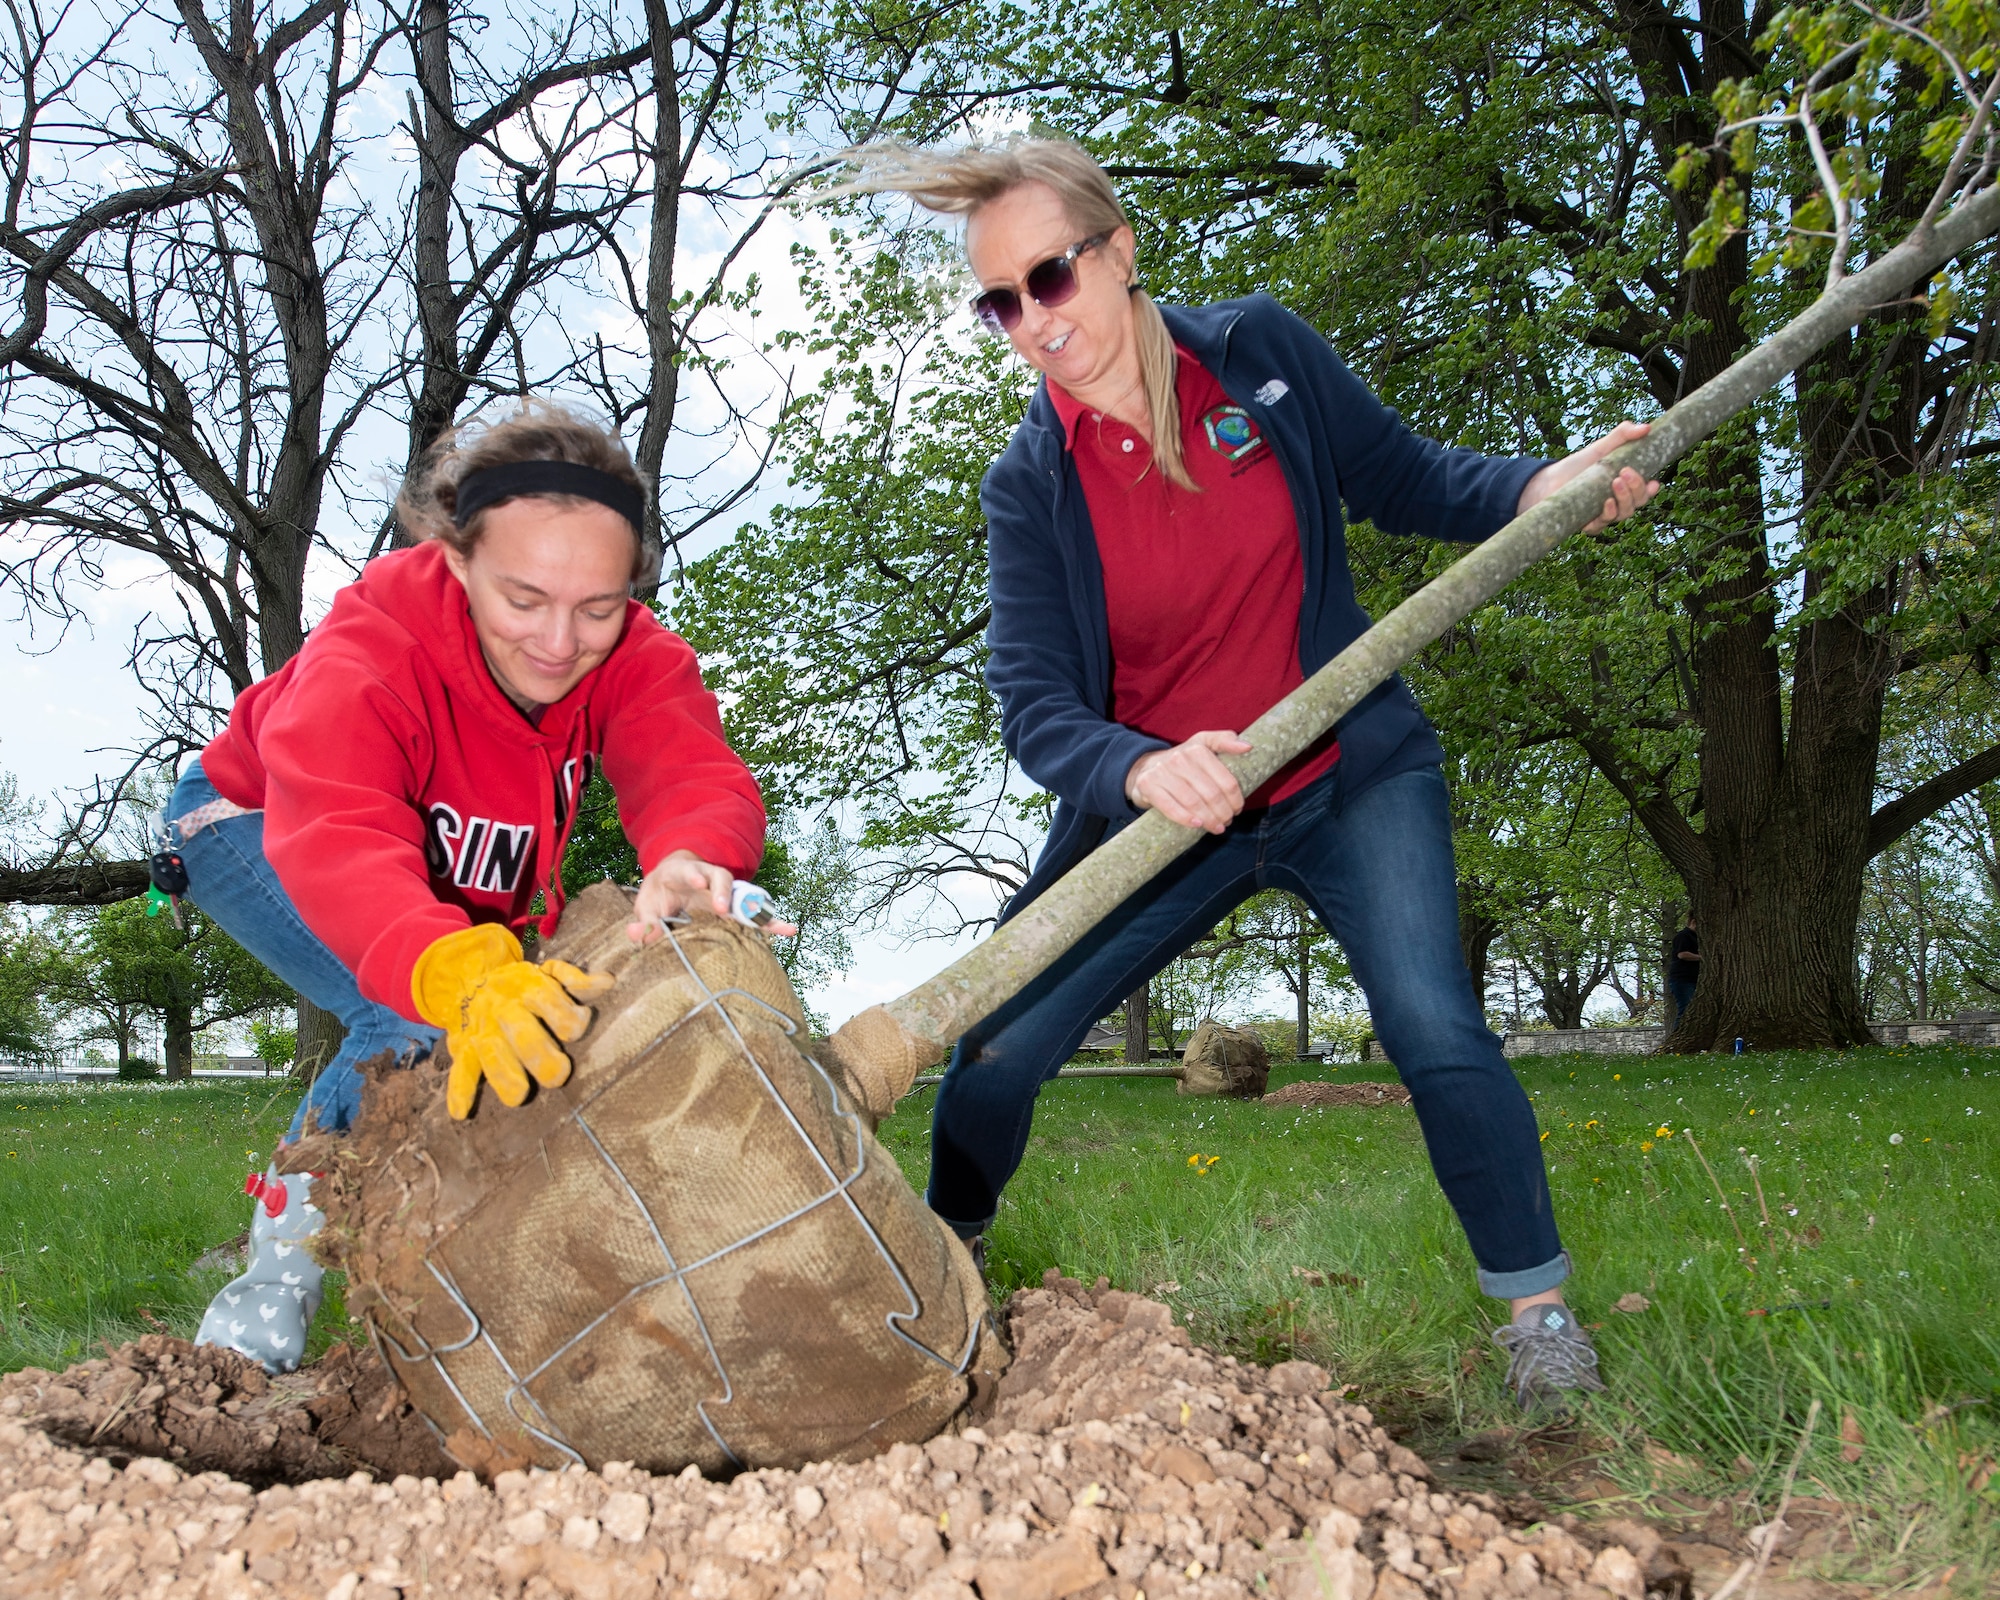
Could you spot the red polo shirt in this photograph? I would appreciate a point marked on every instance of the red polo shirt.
(1202, 589)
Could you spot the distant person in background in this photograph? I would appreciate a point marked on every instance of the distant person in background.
(1683, 968)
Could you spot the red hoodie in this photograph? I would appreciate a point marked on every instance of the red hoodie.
(405, 797)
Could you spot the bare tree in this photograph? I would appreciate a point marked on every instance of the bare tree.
(225, 267)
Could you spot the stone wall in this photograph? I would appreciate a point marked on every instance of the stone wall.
(1597, 1041)
(1978, 1030)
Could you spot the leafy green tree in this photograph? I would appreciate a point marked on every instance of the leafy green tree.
(1487, 216)
(117, 965)
(598, 848)
(814, 877)
(24, 963)
(274, 1044)
(844, 631)
(1521, 222)
(1205, 981)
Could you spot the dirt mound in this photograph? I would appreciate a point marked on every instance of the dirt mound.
(210, 1410)
(1309, 1096)
(1118, 1458)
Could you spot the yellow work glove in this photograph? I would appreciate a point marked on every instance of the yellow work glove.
(497, 1012)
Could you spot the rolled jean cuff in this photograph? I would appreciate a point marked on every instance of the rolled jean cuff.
(1530, 1280)
(967, 1231)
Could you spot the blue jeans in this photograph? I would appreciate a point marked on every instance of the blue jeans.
(1680, 996)
(229, 878)
(1377, 871)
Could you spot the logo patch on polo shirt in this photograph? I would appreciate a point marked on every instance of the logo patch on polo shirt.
(1231, 433)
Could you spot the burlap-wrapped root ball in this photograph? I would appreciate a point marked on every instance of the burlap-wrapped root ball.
(693, 1252)
(1225, 1060)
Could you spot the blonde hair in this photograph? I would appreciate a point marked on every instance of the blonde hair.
(536, 430)
(958, 182)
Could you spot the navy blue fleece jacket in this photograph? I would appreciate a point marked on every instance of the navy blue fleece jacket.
(1049, 635)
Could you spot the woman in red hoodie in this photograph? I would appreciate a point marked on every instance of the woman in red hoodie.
(380, 814)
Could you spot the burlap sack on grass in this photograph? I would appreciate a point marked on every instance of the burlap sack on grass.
(692, 1253)
(1225, 1060)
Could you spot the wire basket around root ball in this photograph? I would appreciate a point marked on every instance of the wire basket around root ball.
(693, 1252)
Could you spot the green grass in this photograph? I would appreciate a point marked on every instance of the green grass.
(1902, 1240)
(108, 1195)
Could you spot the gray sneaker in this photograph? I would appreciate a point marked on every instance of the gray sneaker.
(264, 1314)
(1552, 1356)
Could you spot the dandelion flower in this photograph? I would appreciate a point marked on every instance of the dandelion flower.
(1663, 1132)
(1617, 1076)
(1545, 1137)
(1645, 1145)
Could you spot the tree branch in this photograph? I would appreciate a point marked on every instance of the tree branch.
(86, 883)
(1902, 814)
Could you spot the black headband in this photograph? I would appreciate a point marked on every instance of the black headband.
(490, 485)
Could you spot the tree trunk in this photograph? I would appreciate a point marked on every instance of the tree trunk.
(1477, 930)
(1777, 936)
(1138, 1023)
(440, 147)
(178, 1046)
(662, 340)
(1305, 991)
(320, 1036)
(1561, 1004)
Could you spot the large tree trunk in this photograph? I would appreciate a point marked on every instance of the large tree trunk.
(1138, 1023)
(440, 147)
(1778, 908)
(662, 339)
(320, 1036)
(1305, 988)
(1477, 929)
(278, 533)
(1788, 808)
(179, 1043)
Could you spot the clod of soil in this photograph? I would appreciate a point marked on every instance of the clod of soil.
(209, 1410)
(1308, 1096)
(1118, 1458)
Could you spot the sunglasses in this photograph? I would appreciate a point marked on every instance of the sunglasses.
(1049, 282)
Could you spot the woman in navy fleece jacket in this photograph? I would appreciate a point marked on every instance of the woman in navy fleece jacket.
(1166, 537)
